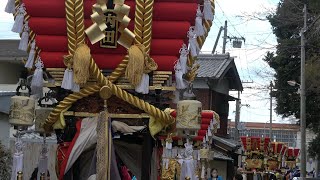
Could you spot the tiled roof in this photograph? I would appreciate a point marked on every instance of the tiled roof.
(9, 50)
(229, 142)
(213, 65)
(217, 67)
(219, 155)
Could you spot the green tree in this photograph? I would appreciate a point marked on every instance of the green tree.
(287, 23)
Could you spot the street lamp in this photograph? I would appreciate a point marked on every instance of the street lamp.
(303, 153)
(293, 83)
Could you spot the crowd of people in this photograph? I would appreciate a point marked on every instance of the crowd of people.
(293, 174)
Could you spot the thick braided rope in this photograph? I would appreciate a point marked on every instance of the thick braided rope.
(139, 103)
(79, 21)
(17, 3)
(119, 70)
(138, 22)
(200, 39)
(147, 25)
(86, 91)
(32, 35)
(138, 31)
(74, 15)
(71, 25)
(101, 79)
(68, 101)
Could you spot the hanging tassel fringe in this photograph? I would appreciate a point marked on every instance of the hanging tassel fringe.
(18, 23)
(193, 44)
(207, 10)
(168, 145)
(32, 53)
(106, 161)
(135, 66)
(81, 62)
(199, 29)
(43, 166)
(203, 172)
(208, 173)
(17, 165)
(184, 58)
(102, 147)
(37, 80)
(75, 88)
(23, 45)
(180, 82)
(67, 81)
(176, 94)
(209, 132)
(10, 7)
(143, 87)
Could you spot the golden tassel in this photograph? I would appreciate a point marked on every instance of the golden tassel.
(68, 61)
(135, 66)
(81, 63)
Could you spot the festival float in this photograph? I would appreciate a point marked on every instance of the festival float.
(292, 157)
(104, 77)
(276, 156)
(256, 149)
(263, 157)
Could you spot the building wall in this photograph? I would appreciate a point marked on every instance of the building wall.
(5, 97)
(311, 163)
(220, 103)
(9, 72)
(217, 102)
(203, 96)
(222, 86)
(286, 136)
(4, 129)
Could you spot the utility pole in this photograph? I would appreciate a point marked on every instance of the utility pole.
(237, 44)
(270, 133)
(303, 97)
(225, 36)
(217, 40)
(237, 118)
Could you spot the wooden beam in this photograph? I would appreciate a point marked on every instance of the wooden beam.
(119, 116)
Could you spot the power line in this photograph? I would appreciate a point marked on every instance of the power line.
(228, 18)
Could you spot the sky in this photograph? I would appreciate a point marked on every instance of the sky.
(254, 72)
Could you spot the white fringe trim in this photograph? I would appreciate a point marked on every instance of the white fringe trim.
(143, 87)
(18, 23)
(32, 53)
(10, 7)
